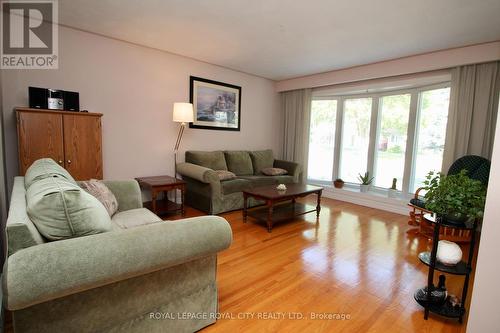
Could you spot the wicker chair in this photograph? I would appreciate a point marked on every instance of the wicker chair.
(477, 168)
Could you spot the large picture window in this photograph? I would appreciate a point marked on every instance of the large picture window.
(355, 138)
(398, 134)
(390, 151)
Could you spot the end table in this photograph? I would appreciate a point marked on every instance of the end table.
(159, 184)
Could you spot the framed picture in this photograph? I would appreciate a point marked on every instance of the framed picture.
(217, 105)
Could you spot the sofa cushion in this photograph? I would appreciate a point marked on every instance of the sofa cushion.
(274, 171)
(239, 162)
(60, 209)
(284, 179)
(225, 175)
(268, 180)
(44, 168)
(261, 159)
(260, 180)
(235, 185)
(134, 218)
(102, 193)
(209, 159)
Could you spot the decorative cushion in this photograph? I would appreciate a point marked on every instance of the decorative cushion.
(225, 175)
(239, 162)
(274, 171)
(60, 209)
(102, 193)
(418, 202)
(262, 159)
(209, 159)
(44, 168)
(477, 167)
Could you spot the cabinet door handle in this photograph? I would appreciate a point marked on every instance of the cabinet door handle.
(60, 162)
(69, 161)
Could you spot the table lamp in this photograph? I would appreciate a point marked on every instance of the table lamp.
(183, 113)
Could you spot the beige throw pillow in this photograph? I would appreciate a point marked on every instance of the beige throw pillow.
(225, 175)
(274, 171)
(99, 190)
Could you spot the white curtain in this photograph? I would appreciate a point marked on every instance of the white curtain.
(296, 110)
(473, 111)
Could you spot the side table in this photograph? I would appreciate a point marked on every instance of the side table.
(159, 184)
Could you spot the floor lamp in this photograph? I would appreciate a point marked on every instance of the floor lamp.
(183, 113)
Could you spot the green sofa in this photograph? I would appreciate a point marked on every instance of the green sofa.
(131, 279)
(207, 193)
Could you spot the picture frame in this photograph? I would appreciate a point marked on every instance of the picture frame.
(217, 105)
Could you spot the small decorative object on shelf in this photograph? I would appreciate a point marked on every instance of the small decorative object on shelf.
(448, 253)
(281, 187)
(366, 182)
(393, 190)
(338, 183)
(437, 296)
(452, 307)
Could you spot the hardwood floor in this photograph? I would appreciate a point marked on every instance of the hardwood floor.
(357, 262)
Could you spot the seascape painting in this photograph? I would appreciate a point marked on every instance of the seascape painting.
(216, 104)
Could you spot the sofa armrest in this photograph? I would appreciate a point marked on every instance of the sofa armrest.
(56, 269)
(127, 193)
(199, 173)
(293, 168)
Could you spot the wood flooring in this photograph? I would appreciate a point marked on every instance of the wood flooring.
(354, 271)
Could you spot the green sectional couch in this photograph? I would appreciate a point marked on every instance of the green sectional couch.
(206, 192)
(131, 278)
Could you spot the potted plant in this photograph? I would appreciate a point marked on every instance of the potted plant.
(456, 198)
(393, 190)
(365, 182)
(338, 183)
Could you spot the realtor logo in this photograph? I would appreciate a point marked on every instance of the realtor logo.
(29, 35)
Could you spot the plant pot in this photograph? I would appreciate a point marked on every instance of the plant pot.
(338, 184)
(364, 188)
(392, 193)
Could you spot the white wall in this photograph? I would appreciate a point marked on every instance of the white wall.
(483, 315)
(134, 87)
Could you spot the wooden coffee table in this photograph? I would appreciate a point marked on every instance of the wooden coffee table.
(159, 184)
(280, 205)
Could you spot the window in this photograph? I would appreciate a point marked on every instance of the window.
(398, 134)
(431, 132)
(391, 139)
(322, 139)
(355, 138)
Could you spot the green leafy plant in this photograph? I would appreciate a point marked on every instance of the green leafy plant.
(365, 180)
(455, 196)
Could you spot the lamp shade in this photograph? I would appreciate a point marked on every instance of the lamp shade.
(183, 113)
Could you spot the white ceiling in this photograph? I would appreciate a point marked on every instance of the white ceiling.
(281, 39)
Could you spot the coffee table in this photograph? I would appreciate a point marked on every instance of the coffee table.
(280, 205)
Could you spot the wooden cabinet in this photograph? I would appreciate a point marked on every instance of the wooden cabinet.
(73, 139)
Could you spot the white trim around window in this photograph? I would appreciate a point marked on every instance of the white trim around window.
(412, 134)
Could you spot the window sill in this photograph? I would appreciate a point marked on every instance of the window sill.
(375, 198)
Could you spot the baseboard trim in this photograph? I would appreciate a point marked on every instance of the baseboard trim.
(398, 206)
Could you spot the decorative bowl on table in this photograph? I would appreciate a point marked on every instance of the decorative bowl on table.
(448, 253)
(281, 187)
